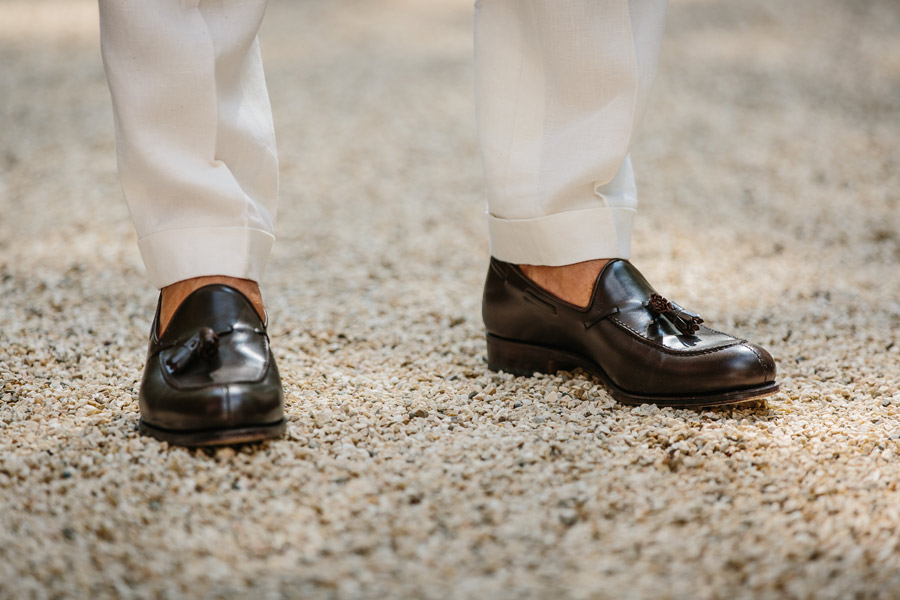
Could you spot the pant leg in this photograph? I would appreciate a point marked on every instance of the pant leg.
(561, 86)
(194, 135)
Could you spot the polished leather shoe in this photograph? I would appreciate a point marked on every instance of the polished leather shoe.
(642, 347)
(211, 379)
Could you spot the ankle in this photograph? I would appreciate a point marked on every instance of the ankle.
(173, 295)
(573, 283)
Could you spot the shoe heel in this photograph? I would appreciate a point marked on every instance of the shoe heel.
(526, 359)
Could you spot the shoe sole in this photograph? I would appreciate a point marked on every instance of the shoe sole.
(215, 437)
(520, 358)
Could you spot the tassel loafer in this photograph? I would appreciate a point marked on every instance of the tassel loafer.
(210, 378)
(644, 348)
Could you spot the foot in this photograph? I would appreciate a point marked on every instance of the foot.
(210, 377)
(644, 348)
(572, 283)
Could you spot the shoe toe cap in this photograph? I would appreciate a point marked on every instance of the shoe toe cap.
(765, 368)
(222, 406)
(743, 365)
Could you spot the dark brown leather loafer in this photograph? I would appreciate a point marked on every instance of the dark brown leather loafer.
(645, 349)
(211, 378)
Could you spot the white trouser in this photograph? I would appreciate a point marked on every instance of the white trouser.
(561, 86)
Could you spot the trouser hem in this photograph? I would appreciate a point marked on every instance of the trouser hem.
(563, 238)
(180, 254)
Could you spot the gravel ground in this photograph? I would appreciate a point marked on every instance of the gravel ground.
(769, 170)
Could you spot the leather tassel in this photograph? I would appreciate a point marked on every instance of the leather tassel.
(204, 344)
(684, 320)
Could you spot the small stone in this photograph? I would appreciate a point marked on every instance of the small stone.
(568, 517)
(225, 453)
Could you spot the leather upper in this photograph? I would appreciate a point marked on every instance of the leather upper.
(236, 385)
(639, 350)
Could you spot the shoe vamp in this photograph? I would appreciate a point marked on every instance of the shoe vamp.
(660, 330)
(242, 357)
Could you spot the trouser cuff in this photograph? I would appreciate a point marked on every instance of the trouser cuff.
(563, 238)
(180, 254)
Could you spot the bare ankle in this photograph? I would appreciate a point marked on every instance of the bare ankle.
(573, 283)
(173, 295)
